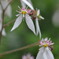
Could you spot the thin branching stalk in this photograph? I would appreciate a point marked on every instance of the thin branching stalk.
(19, 49)
(5, 25)
(3, 15)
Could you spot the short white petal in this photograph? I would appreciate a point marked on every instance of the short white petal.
(49, 54)
(27, 3)
(9, 11)
(30, 23)
(17, 22)
(23, 4)
(41, 17)
(38, 28)
(3, 32)
(38, 12)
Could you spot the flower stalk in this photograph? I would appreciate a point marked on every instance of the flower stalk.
(19, 49)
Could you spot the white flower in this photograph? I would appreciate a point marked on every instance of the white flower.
(27, 56)
(45, 51)
(38, 16)
(23, 13)
(8, 11)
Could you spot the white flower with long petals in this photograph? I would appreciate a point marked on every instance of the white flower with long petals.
(38, 17)
(27, 56)
(8, 11)
(45, 51)
(23, 13)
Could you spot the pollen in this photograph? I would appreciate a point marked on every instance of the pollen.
(46, 45)
(24, 12)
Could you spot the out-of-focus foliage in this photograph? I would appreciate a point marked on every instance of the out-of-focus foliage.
(22, 36)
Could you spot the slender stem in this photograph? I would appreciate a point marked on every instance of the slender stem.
(19, 49)
(5, 25)
(3, 12)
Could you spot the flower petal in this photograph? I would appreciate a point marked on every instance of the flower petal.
(40, 53)
(38, 12)
(3, 32)
(9, 11)
(38, 28)
(30, 2)
(30, 23)
(26, 2)
(23, 4)
(17, 22)
(41, 17)
(49, 54)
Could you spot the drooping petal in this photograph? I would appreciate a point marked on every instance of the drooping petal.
(30, 23)
(40, 53)
(30, 2)
(3, 32)
(49, 54)
(17, 22)
(44, 53)
(23, 4)
(9, 11)
(38, 32)
(27, 3)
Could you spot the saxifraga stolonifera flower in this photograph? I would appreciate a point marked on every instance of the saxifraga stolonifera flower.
(35, 15)
(24, 13)
(27, 56)
(45, 50)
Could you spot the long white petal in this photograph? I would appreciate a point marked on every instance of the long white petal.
(40, 53)
(30, 23)
(27, 3)
(49, 54)
(23, 4)
(38, 32)
(30, 2)
(9, 11)
(3, 32)
(17, 22)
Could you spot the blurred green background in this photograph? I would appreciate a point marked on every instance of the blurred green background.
(22, 36)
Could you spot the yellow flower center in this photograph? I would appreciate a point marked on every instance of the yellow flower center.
(46, 45)
(24, 12)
